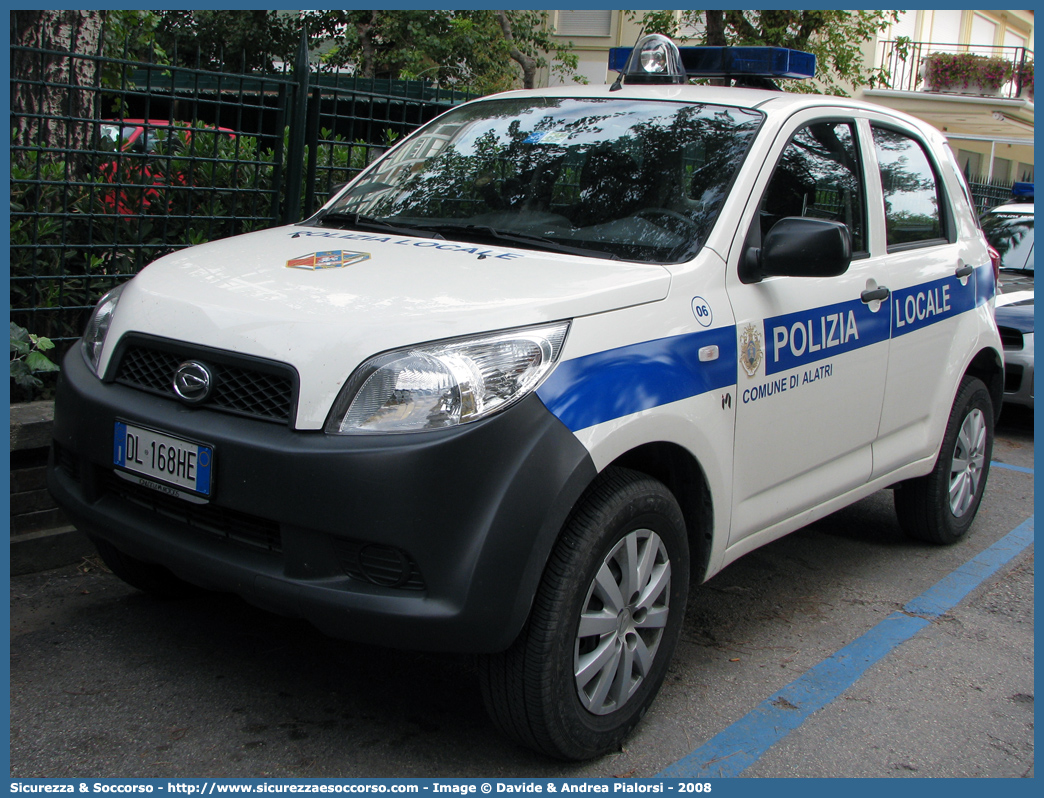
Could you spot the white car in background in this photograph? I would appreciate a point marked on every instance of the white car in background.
(1009, 230)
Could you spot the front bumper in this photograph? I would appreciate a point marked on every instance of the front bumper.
(311, 525)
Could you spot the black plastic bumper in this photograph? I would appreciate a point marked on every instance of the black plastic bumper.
(471, 513)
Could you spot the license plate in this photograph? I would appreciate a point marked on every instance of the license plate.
(171, 461)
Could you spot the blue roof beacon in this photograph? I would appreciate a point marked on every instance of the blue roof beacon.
(658, 60)
(1023, 192)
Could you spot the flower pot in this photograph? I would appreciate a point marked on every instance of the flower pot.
(966, 74)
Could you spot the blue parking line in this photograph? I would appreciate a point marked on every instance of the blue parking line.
(739, 746)
(1020, 469)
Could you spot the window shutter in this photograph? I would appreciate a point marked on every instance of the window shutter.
(584, 23)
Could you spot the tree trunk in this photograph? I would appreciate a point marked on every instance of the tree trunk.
(58, 116)
(715, 29)
(715, 37)
(527, 62)
(367, 45)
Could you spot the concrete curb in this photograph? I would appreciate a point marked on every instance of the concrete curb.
(47, 549)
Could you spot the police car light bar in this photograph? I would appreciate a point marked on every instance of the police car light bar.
(723, 62)
(1023, 191)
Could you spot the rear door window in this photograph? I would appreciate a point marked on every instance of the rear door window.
(914, 203)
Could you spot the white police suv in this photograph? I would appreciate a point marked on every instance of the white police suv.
(555, 358)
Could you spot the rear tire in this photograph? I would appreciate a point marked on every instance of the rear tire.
(145, 576)
(603, 627)
(940, 507)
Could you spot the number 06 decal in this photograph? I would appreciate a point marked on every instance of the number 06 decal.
(701, 309)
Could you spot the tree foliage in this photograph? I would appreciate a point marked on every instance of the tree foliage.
(479, 49)
(834, 37)
(227, 40)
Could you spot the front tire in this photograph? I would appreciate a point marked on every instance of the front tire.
(604, 624)
(940, 507)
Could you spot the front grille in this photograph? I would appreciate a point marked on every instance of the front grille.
(1012, 379)
(246, 387)
(231, 525)
(1010, 338)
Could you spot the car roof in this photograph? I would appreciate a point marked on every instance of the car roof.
(774, 104)
(771, 102)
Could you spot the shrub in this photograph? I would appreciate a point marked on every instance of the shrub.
(28, 360)
(75, 237)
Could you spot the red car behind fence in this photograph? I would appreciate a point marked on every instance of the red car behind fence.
(138, 178)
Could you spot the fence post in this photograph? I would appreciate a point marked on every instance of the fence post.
(278, 177)
(295, 156)
(312, 136)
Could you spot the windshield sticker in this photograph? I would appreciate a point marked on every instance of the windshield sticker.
(328, 259)
(440, 244)
(547, 137)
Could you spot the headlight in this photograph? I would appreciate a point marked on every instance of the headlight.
(98, 327)
(440, 385)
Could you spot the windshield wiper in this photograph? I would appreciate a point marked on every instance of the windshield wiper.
(481, 231)
(337, 219)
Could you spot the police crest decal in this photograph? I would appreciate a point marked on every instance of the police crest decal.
(751, 352)
(330, 259)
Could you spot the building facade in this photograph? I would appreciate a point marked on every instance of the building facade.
(989, 128)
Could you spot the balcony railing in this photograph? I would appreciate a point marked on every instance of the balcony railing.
(906, 61)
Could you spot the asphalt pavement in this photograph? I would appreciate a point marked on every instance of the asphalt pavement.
(109, 682)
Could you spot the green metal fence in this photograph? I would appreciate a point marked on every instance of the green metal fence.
(989, 193)
(139, 159)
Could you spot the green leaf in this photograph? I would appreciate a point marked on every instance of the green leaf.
(35, 361)
(23, 377)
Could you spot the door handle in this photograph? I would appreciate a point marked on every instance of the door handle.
(879, 293)
(964, 271)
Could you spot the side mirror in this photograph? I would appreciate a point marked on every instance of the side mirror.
(800, 247)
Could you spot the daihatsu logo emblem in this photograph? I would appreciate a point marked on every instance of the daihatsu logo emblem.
(192, 382)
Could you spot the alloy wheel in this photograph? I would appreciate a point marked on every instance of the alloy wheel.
(969, 457)
(622, 621)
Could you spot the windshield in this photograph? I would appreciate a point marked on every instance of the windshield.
(631, 179)
(1011, 234)
(116, 135)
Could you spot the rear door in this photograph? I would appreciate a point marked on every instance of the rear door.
(930, 273)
